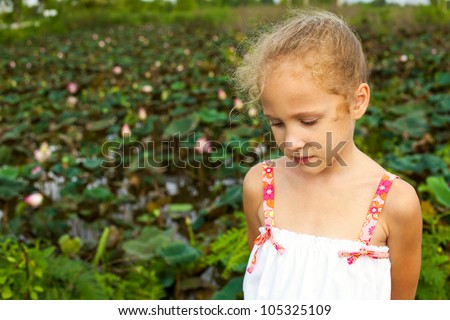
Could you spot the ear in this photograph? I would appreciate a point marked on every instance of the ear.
(359, 107)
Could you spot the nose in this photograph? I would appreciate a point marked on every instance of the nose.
(293, 142)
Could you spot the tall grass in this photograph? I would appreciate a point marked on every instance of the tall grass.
(384, 19)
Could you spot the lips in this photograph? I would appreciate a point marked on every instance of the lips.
(303, 160)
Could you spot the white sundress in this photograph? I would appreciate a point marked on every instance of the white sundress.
(288, 265)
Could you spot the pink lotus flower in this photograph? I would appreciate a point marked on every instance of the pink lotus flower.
(34, 200)
(126, 131)
(36, 170)
(117, 70)
(238, 104)
(142, 114)
(203, 145)
(12, 64)
(221, 94)
(43, 153)
(403, 58)
(72, 87)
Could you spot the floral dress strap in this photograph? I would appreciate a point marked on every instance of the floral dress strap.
(371, 220)
(268, 209)
(375, 208)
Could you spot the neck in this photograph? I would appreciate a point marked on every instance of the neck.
(350, 158)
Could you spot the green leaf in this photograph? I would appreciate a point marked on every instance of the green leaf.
(98, 194)
(232, 197)
(181, 126)
(147, 127)
(178, 253)
(414, 124)
(92, 164)
(179, 210)
(178, 85)
(38, 289)
(8, 172)
(101, 247)
(151, 238)
(230, 290)
(14, 134)
(443, 78)
(69, 246)
(10, 188)
(5, 154)
(38, 273)
(180, 207)
(101, 124)
(440, 190)
(212, 116)
(6, 293)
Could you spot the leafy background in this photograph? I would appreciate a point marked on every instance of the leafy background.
(131, 217)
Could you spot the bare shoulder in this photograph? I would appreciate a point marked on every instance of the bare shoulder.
(403, 203)
(252, 200)
(404, 221)
(252, 183)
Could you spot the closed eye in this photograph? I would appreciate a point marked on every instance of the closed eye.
(276, 124)
(309, 123)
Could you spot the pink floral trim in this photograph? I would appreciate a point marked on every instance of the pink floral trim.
(269, 222)
(353, 256)
(375, 208)
(371, 221)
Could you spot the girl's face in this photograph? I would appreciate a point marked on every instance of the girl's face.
(305, 120)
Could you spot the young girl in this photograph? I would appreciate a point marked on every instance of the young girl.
(329, 222)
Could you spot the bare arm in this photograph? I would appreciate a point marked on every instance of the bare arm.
(252, 195)
(404, 239)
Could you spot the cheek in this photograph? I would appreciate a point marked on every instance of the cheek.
(277, 136)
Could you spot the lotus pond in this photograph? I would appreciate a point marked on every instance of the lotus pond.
(121, 162)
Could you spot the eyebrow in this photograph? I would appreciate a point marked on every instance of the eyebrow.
(299, 114)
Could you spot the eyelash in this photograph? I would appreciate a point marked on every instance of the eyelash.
(309, 123)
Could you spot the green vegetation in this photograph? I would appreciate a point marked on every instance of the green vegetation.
(95, 205)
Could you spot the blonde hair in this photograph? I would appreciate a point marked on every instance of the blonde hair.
(319, 40)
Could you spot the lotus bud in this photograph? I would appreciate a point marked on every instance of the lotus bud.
(202, 145)
(142, 114)
(72, 87)
(238, 104)
(221, 94)
(34, 200)
(126, 131)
